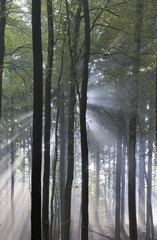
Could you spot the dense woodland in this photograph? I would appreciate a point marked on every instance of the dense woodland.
(78, 120)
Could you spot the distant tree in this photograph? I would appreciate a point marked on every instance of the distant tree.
(118, 177)
(2, 45)
(149, 219)
(37, 121)
(12, 153)
(142, 150)
(97, 192)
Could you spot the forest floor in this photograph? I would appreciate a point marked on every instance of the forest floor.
(107, 233)
(16, 225)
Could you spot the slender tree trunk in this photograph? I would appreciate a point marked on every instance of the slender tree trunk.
(83, 107)
(2, 43)
(132, 123)
(12, 159)
(150, 225)
(141, 211)
(70, 174)
(24, 160)
(109, 177)
(62, 160)
(114, 177)
(37, 121)
(72, 100)
(97, 192)
(47, 130)
(118, 176)
(54, 170)
(123, 187)
(105, 189)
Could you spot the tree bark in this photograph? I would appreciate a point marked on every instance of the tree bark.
(70, 174)
(83, 107)
(37, 121)
(56, 139)
(47, 130)
(132, 122)
(72, 100)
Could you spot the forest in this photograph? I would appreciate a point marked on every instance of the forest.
(78, 104)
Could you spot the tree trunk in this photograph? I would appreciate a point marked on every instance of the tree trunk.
(62, 160)
(24, 160)
(54, 165)
(123, 188)
(70, 174)
(72, 100)
(132, 122)
(97, 192)
(141, 211)
(150, 225)
(118, 176)
(2, 43)
(83, 107)
(37, 121)
(12, 158)
(47, 130)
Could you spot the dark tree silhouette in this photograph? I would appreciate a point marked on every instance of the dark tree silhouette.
(37, 121)
(83, 108)
(132, 122)
(47, 129)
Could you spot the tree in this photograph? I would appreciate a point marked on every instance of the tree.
(2, 45)
(72, 100)
(118, 176)
(37, 121)
(83, 108)
(45, 210)
(132, 122)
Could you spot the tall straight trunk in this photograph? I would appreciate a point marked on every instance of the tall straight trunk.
(114, 176)
(141, 209)
(55, 165)
(97, 192)
(72, 100)
(2, 43)
(70, 174)
(118, 176)
(60, 114)
(47, 129)
(123, 187)
(132, 122)
(109, 176)
(156, 98)
(62, 160)
(105, 195)
(83, 107)
(24, 160)
(149, 225)
(56, 138)
(37, 121)
(12, 159)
